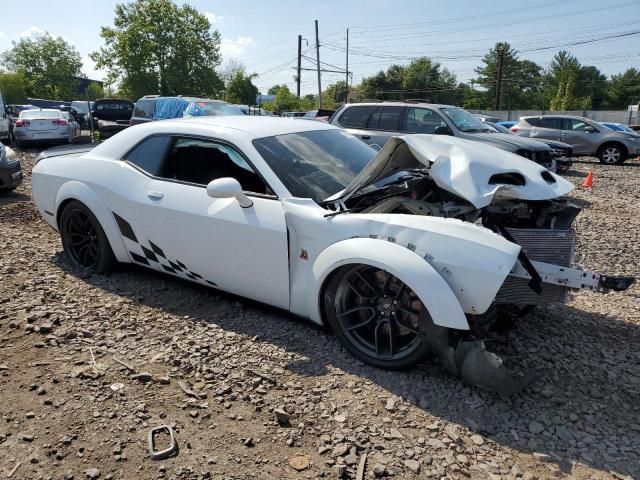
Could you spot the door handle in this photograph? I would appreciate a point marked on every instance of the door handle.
(155, 195)
(365, 137)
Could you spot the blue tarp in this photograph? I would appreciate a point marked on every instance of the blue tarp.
(170, 108)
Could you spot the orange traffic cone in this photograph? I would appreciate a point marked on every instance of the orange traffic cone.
(588, 182)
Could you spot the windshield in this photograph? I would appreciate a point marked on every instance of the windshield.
(602, 126)
(464, 121)
(315, 164)
(209, 109)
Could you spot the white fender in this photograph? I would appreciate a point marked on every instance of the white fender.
(414, 271)
(79, 191)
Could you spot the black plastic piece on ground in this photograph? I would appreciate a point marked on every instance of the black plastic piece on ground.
(167, 452)
(617, 284)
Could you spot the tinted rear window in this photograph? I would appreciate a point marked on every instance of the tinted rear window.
(149, 154)
(144, 108)
(357, 117)
(389, 118)
(554, 123)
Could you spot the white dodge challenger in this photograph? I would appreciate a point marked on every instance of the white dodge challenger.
(394, 250)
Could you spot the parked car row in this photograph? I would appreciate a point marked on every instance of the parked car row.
(376, 123)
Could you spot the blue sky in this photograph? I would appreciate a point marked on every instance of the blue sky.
(263, 35)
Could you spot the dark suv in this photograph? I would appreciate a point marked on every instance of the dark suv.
(154, 107)
(376, 123)
(111, 115)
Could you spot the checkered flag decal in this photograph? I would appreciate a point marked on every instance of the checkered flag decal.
(153, 254)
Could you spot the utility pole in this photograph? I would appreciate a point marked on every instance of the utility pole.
(346, 78)
(318, 64)
(299, 60)
(499, 76)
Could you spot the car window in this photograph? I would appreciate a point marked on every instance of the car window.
(422, 120)
(144, 108)
(201, 161)
(552, 123)
(149, 154)
(575, 125)
(373, 119)
(389, 118)
(357, 117)
(534, 122)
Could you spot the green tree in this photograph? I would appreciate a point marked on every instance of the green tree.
(46, 65)
(12, 88)
(521, 85)
(623, 89)
(95, 91)
(422, 78)
(273, 90)
(241, 89)
(583, 87)
(157, 47)
(335, 94)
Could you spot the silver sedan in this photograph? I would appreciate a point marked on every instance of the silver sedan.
(44, 125)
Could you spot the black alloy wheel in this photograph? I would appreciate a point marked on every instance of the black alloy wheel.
(376, 316)
(83, 239)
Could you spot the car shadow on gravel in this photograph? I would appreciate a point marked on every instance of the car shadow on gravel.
(584, 407)
(11, 197)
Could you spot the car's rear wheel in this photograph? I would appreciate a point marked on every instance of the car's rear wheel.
(378, 318)
(84, 240)
(612, 153)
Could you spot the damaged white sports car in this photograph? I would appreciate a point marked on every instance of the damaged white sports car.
(393, 250)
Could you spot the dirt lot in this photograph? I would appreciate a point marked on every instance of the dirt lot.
(88, 364)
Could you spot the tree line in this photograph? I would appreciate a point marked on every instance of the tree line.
(158, 47)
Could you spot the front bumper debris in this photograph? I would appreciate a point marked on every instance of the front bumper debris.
(470, 360)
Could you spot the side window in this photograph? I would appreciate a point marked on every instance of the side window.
(534, 122)
(422, 120)
(373, 119)
(149, 154)
(389, 118)
(550, 122)
(575, 125)
(144, 109)
(357, 117)
(200, 161)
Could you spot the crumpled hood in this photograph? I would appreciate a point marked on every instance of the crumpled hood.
(461, 167)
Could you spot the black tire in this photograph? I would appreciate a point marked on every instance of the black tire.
(612, 154)
(376, 317)
(84, 241)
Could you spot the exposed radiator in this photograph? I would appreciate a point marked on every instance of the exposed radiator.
(549, 246)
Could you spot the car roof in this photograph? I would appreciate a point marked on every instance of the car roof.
(575, 117)
(255, 125)
(401, 104)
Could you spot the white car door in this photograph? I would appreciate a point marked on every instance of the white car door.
(216, 241)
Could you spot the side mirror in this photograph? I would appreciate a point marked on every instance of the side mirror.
(589, 129)
(443, 130)
(228, 188)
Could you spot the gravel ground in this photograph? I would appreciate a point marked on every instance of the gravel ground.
(88, 364)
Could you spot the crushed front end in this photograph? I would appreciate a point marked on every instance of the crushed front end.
(515, 198)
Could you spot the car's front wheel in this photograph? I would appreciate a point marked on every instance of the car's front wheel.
(378, 318)
(84, 240)
(612, 153)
